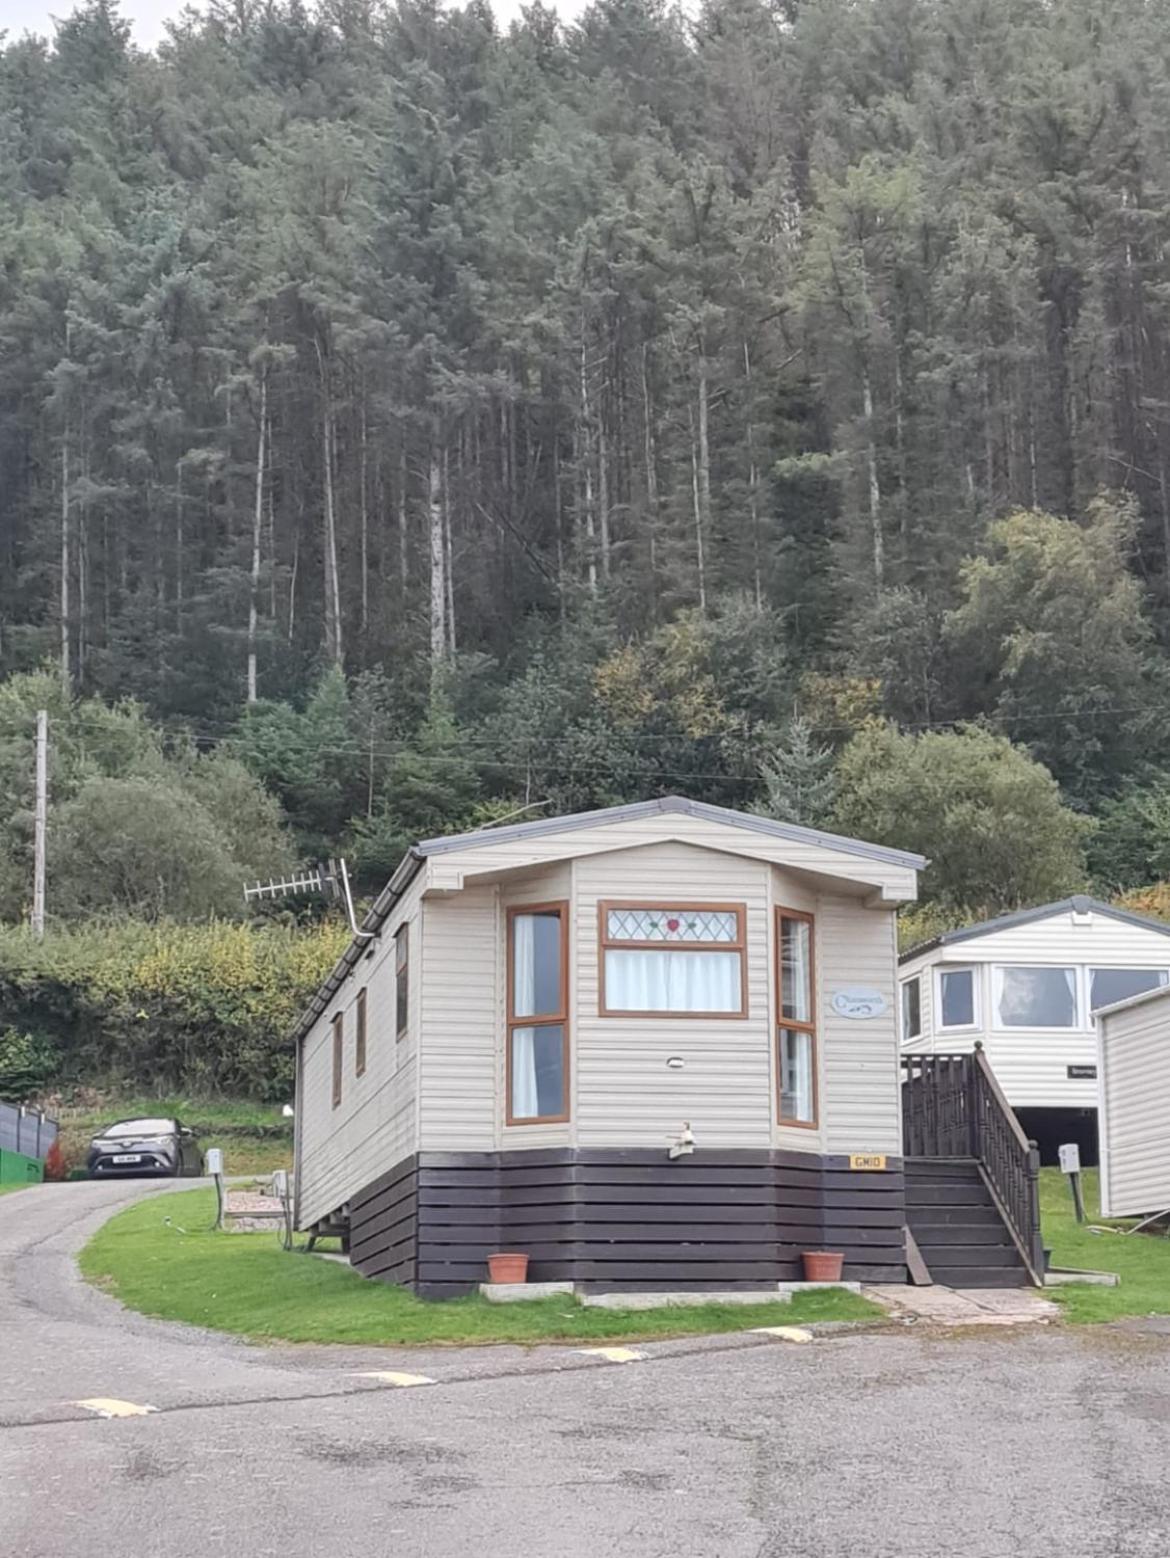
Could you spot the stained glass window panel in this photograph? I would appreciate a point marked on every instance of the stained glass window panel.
(673, 925)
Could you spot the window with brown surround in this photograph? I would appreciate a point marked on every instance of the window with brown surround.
(672, 959)
(401, 980)
(537, 1043)
(796, 1019)
(338, 1052)
(359, 1052)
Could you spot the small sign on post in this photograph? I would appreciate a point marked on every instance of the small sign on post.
(213, 1163)
(1070, 1164)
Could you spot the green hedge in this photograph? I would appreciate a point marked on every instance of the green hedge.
(196, 1008)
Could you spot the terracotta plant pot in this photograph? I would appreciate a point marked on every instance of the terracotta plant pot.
(822, 1265)
(508, 1267)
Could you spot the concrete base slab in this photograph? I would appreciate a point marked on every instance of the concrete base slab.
(682, 1300)
(1057, 1276)
(789, 1289)
(940, 1305)
(522, 1292)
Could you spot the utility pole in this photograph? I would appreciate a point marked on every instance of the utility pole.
(42, 814)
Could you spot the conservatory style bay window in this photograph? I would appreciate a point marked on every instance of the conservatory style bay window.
(677, 959)
(537, 1060)
(1034, 997)
(956, 998)
(1107, 985)
(796, 1058)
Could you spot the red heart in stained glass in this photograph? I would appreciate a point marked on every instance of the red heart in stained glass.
(672, 925)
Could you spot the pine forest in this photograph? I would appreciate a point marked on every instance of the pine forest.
(408, 420)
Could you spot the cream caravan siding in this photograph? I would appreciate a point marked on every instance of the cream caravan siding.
(461, 1021)
(861, 1098)
(626, 1094)
(1104, 941)
(464, 1012)
(374, 1126)
(1134, 1072)
(895, 881)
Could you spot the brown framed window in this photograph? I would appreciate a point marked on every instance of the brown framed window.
(359, 1045)
(401, 980)
(796, 1019)
(675, 959)
(537, 1054)
(338, 1054)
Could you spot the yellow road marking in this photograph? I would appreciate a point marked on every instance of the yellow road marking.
(784, 1333)
(613, 1354)
(106, 1406)
(392, 1377)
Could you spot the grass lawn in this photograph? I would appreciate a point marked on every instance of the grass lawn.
(246, 1284)
(1142, 1260)
(256, 1138)
(8, 1189)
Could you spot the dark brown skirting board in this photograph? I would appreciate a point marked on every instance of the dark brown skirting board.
(627, 1219)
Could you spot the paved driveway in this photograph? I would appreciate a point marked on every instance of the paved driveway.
(1004, 1445)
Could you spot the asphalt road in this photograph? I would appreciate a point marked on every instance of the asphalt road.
(1009, 1444)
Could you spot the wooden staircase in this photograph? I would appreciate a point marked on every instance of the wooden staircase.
(959, 1230)
(972, 1177)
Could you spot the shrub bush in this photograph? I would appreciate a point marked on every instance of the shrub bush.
(28, 1063)
(197, 1008)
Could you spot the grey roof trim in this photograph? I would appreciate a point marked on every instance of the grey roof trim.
(634, 810)
(1078, 903)
(377, 915)
(1143, 998)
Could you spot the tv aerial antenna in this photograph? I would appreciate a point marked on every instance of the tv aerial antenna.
(328, 879)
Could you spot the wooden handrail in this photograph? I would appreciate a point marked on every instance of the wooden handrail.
(953, 1106)
(997, 1093)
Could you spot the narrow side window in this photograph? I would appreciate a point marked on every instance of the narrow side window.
(956, 998)
(912, 1008)
(338, 1052)
(796, 1038)
(537, 1060)
(359, 1050)
(401, 980)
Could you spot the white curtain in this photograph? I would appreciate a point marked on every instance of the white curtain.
(1035, 997)
(525, 1098)
(796, 970)
(672, 981)
(524, 965)
(796, 1082)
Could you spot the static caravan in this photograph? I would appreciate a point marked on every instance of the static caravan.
(1025, 986)
(535, 1020)
(1133, 1080)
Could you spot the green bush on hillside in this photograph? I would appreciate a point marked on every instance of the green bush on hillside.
(198, 1008)
(28, 1062)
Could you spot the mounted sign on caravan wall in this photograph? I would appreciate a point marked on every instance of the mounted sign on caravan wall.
(858, 1001)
